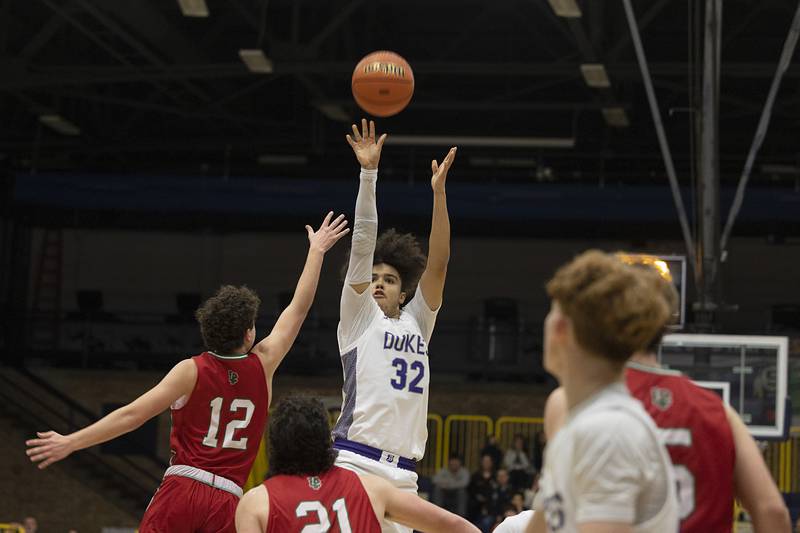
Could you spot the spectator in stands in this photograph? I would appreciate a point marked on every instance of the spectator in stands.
(530, 493)
(450, 486)
(517, 463)
(492, 450)
(508, 511)
(481, 489)
(503, 491)
(30, 524)
(518, 502)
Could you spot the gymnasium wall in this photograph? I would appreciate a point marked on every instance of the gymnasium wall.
(142, 271)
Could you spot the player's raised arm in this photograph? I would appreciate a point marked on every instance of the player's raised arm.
(432, 281)
(274, 347)
(365, 224)
(753, 484)
(50, 446)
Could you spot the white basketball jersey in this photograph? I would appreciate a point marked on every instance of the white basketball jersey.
(515, 524)
(607, 465)
(386, 374)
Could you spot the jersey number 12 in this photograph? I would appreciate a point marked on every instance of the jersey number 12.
(228, 441)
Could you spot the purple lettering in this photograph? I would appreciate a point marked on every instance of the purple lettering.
(388, 339)
(420, 346)
(408, 339)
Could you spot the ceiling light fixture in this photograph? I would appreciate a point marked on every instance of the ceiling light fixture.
(193, 8)
(332, 111)
(256, 61)
(566, 8)
(59, 124)
(499, 142)
(595, 75)
(616, 117)
(504, 162)
(790, 170)
(282, 159)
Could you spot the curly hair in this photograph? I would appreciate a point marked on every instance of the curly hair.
(299, 438)
(402, 252)
(614, 308)
(225, 318)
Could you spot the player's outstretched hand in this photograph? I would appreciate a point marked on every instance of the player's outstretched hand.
(366, 148)
(48, 448)
(440, 171)
(328, 233)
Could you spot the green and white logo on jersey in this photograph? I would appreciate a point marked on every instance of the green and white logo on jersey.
(661, 398)
(314, 482)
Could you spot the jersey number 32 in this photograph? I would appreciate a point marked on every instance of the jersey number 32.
(402, 375)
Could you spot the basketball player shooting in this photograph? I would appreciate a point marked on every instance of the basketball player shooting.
(386, 322)
(714, 455)
(218, 401)
(304, 491)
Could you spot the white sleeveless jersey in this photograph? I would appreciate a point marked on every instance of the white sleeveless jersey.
(607, 465)
(515, 524)
(386, 374)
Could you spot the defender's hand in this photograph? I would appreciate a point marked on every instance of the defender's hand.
(440, 171)
(328, 233)
(367, 150)
(48, 448)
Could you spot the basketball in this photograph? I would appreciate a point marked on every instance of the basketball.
(383, 84)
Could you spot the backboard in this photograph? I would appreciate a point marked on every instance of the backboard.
(754, 367)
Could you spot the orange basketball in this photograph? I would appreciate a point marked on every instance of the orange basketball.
(383, 84)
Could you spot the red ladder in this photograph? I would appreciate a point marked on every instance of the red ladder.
(47, 291)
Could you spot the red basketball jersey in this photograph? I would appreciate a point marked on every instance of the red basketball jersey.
(698, 436)
(220, 428)
(335, 499)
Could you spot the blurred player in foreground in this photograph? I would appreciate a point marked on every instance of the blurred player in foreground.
(306, 492)
(218, 401)
(605, 470)
(515, 524)
(714, 456)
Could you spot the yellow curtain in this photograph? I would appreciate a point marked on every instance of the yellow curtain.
(260, 467)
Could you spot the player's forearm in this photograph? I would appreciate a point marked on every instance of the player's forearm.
(116, 423)
(365, 230)
(452, 523)
(439, 242)
(769, 517)
(306, 287)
